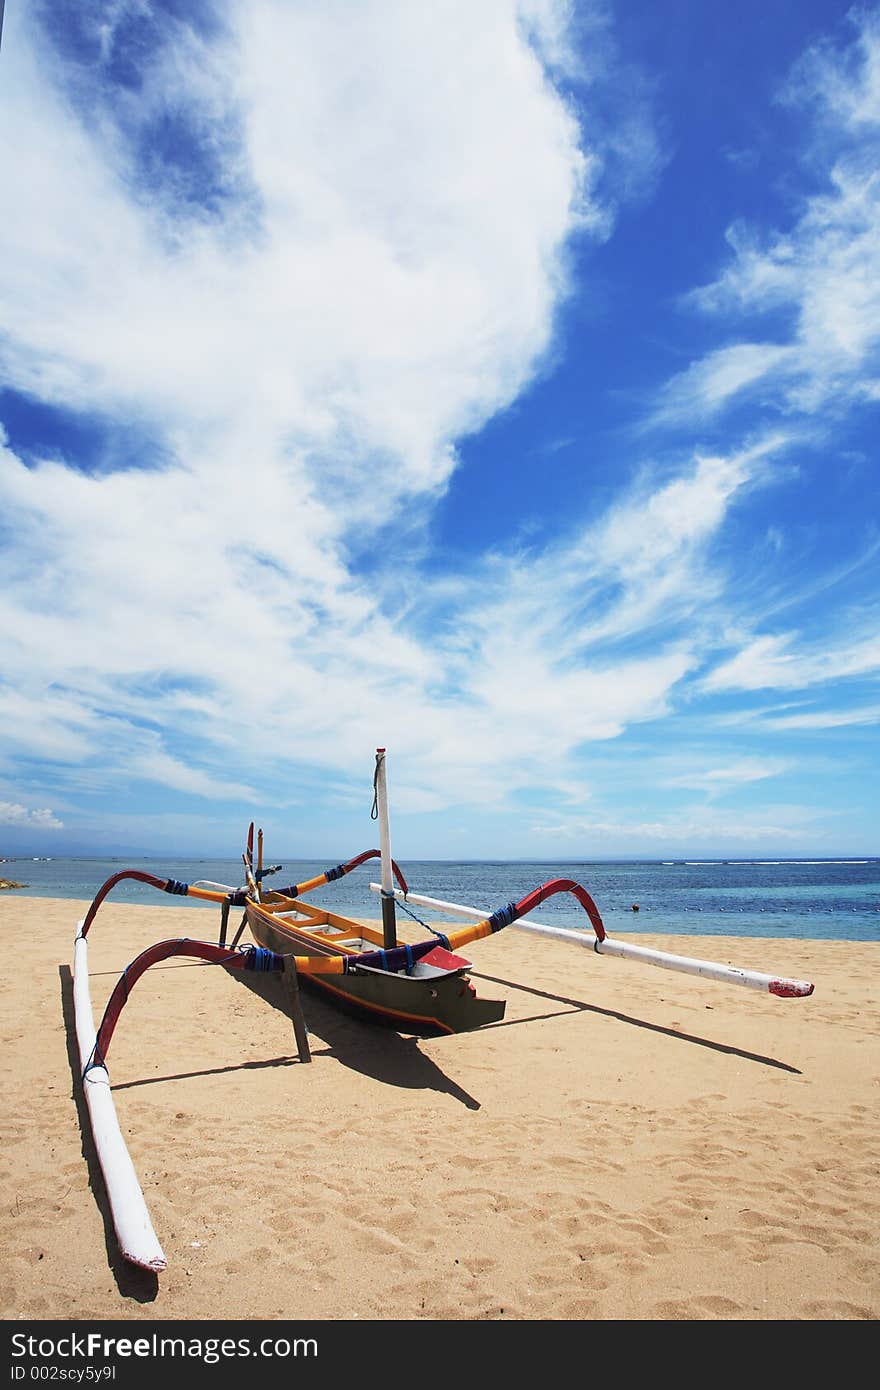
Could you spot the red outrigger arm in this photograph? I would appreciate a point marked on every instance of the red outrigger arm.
(401, 957)
(295, 890)
(246, 958)
(562, 885)
(165, 885)
(238, 897)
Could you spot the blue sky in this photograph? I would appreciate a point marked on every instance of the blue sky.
(495, 383)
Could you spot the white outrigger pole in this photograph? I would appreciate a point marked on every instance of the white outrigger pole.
(134, 1229)
(687, 965)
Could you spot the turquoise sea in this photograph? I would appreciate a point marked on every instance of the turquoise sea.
(833, 899)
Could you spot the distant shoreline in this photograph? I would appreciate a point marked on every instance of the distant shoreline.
(719, 860)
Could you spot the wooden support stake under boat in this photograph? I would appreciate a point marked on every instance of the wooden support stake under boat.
(300, 1031)
(224, 923)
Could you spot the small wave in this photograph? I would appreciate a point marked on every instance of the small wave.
(796, 863)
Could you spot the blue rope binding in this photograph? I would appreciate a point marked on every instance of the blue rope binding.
(503, 917)
(261, 959)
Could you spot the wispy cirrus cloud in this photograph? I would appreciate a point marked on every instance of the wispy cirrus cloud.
(826, 719)
(691, 826)
(716, 780)
(776, 662)
(645, 566)
(707, 386)
(821, 276)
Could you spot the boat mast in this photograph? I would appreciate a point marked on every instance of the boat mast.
(389, 918)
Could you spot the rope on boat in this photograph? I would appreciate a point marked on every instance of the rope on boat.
(395, 958)
(441, 936)
(94, 1060)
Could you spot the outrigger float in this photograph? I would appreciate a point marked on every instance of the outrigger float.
(422, 989)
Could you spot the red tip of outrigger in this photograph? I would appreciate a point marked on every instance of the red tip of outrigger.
(791, 989)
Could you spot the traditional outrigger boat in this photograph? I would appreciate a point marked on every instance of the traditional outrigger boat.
(421, 988)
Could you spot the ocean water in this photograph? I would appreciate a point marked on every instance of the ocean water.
(827, 899)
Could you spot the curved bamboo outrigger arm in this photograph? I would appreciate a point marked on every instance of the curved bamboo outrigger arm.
(296, 890)
(236, 897)
(240, 958)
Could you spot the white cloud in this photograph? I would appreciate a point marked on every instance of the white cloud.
(398, 287)
(844, 81)
(694, 826)
(709, 384)
(720, 779)
(826, 719)
(157, 766)
(382, 275)
(824, 273)
(11, 813)
(642, 568)
(768, 662)
(244, 661)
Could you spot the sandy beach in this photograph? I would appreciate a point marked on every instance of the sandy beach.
(627, 1144)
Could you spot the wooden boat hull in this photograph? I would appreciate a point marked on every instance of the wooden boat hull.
(427, 1003)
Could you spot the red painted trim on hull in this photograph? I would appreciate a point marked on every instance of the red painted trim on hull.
(357, 1003)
